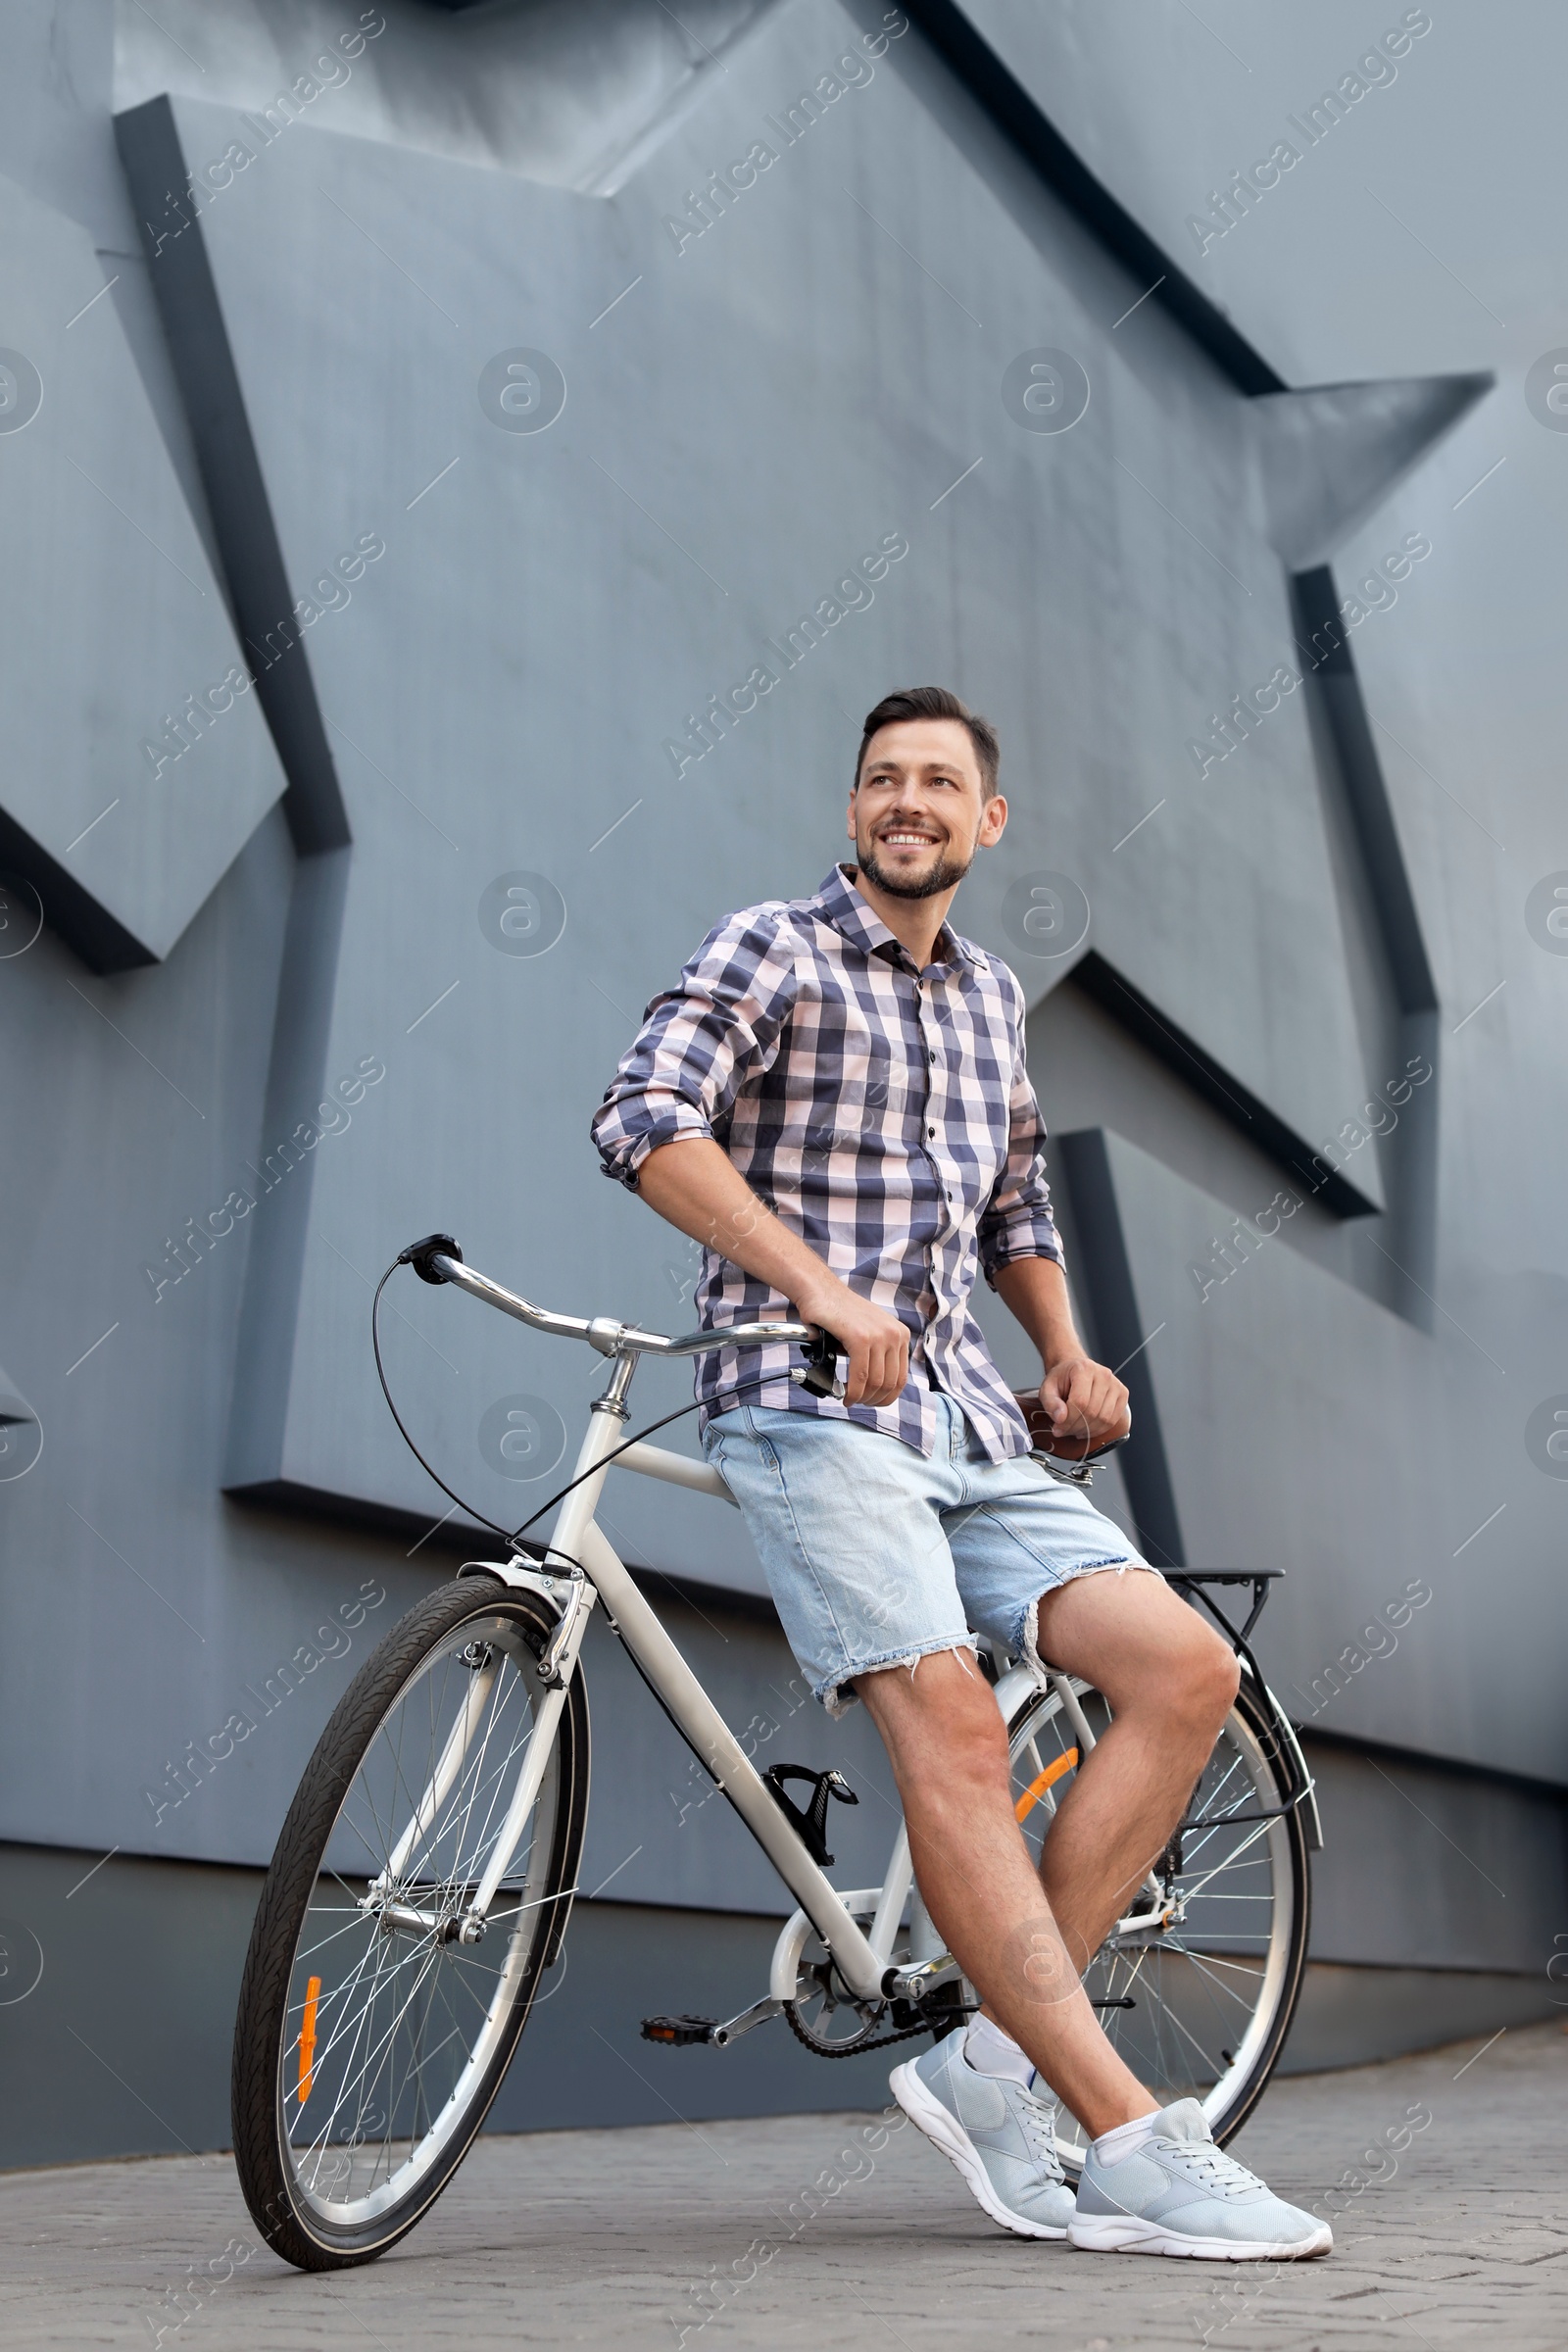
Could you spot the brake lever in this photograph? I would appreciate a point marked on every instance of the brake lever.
(820, 1375)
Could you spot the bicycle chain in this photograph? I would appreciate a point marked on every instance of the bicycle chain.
(856, 2049)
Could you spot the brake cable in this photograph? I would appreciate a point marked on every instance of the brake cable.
(495, 1527)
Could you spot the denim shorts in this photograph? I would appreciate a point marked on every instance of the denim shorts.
(877, 1556)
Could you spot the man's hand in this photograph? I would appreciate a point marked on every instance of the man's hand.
(878, 1344)
(1085, 1405)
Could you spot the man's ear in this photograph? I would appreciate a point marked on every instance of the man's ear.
(850, 820)
(993, 824)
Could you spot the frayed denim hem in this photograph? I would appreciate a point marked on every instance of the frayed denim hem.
(1025, 1641)
(837, 1695)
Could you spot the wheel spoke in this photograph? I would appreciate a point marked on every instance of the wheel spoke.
(1204, 1968)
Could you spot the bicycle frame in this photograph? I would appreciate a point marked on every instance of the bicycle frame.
(579, 1567)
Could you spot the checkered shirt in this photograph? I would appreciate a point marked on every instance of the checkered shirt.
(882, 1112)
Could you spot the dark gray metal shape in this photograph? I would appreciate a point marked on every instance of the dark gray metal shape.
(136, 764)
(601, 951)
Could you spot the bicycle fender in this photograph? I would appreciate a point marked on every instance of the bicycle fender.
(1289, 1740)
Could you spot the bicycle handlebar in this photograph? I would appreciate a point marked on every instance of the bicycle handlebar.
(438, 1259)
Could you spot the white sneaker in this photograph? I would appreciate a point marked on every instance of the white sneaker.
(1001, 2138)
(1177, 2194)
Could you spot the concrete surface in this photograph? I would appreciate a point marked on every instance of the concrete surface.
(836, 2230)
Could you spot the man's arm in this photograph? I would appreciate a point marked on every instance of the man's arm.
(1087, 1404)
(1021, 1254)
(693, 1183)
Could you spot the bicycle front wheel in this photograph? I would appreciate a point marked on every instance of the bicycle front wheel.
(374, 2032)
(1198, 1982)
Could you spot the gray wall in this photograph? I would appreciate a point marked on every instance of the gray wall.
(284, 374)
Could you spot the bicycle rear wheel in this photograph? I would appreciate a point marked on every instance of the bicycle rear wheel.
(372, 2036)
(1197, 1982)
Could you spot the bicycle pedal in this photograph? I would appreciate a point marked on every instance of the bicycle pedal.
(678, 2030)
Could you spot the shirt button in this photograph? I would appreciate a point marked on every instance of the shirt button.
(931, 1131)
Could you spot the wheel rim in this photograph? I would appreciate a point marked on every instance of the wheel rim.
(391, 2030)
(1208, 1985)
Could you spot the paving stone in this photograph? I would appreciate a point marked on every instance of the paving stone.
(818, 2232)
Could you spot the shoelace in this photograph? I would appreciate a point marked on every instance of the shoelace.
(1039, 2124)
(1215, 2170)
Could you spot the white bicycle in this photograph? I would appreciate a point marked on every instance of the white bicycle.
(423, 1878)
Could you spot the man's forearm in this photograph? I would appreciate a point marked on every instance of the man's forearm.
(1087, 1404)
(1035, 1290)
(693, 1184)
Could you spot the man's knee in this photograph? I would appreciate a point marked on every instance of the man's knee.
(1209, 1677)
(1148, 1650)
(938, 1719)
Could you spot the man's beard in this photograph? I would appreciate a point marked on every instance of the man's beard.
(946, 874)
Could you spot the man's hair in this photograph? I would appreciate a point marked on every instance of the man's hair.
(935, 702)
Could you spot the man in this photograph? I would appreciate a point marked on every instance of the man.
(833, 1101)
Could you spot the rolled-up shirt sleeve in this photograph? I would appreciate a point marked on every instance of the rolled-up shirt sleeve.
(1017, 1222)
(700, 1041)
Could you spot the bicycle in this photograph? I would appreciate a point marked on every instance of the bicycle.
(425, 1876)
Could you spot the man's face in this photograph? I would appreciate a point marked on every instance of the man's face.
(921, 810)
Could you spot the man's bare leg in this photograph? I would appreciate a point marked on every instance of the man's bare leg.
(1170, 1680)
(948, 1746)
(948, 1750)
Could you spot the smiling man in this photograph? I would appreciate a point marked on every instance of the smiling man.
(833, 1101)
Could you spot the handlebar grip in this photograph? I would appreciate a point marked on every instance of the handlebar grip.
(820, 1377)
(418, 1255)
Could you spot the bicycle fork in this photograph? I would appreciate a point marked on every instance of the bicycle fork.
(572, 1597)
(554, 1675)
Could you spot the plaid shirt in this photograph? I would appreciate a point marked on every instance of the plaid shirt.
(882, 1112)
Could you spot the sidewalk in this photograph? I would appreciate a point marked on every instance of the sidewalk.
(838, 2231)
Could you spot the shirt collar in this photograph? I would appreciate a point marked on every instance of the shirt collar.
(849, 913)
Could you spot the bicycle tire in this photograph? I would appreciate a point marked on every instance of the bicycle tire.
(286, 2202)
(1250, 1751)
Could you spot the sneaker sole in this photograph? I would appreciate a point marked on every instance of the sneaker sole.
(1114, 2234)
(944, 2132)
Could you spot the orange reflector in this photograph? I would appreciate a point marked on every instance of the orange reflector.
(313, 1993)
(1046, 1780)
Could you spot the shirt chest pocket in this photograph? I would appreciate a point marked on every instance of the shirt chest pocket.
(876, 1085)
(972, 1124)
